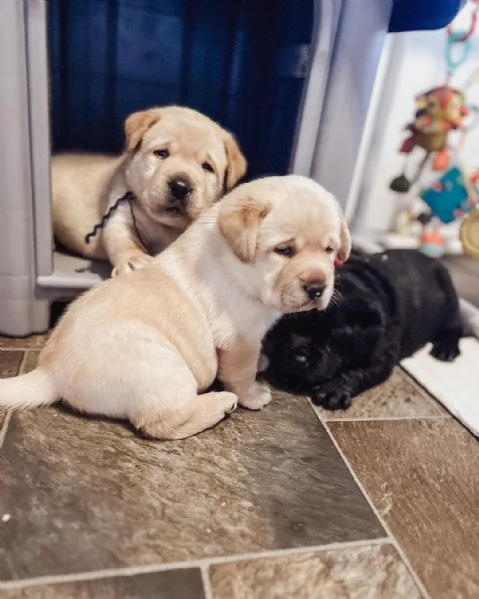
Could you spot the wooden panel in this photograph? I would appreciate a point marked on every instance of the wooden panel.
(423, 475)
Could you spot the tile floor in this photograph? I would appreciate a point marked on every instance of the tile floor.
(291, 502)
(464, 271)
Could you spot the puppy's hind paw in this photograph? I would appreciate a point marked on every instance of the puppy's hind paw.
(258, 396)
(445, 351)
(131, 263)
(337, 399)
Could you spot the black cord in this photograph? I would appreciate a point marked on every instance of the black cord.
(128, 197)
(106, 217)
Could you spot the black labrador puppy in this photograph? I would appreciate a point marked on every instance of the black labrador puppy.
(386, 306)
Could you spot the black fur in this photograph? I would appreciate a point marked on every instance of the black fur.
(386, 306)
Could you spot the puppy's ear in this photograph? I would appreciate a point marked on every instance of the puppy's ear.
(137, 124)
(345, 239)
(236, 162)
(239, 223)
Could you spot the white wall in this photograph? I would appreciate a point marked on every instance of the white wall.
(413, 63)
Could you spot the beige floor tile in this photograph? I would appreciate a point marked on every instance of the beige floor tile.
(30, 361)
(375, 572)
(32, 342)
(399, 397)
(87, 494)
(174, 584)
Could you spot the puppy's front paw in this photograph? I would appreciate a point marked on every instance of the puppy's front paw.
(257, 397)
(131, 263)
(331, 399)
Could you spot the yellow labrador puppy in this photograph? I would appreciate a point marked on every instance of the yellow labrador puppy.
(176, 164)
(146, 347)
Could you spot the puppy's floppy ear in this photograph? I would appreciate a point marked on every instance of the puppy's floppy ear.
(345, 238)
(236, 162)
(137, 124)
(239, 223)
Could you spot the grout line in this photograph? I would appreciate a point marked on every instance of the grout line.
(8, 416)
(386, 418)
(205, 577)
(3, 430)
(6, 348)
(378, 515)
(22, 363)
(293, 551)
(202, 563)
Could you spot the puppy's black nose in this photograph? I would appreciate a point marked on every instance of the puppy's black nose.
(301, 359)
(314, 292)
(179, 189)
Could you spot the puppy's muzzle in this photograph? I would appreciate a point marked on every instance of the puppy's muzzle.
(180, 192)
(314, 291)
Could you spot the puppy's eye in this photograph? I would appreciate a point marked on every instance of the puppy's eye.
(284, 250)
(163, 153)
(206, 166)
(329, 250)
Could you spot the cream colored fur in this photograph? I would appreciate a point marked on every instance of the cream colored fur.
(146, 346)
(85, 186)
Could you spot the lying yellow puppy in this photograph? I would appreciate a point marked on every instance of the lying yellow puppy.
(176, 164)
(146, 346)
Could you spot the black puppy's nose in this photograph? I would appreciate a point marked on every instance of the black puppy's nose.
(314, 292)
(179, 188)
(301, 359)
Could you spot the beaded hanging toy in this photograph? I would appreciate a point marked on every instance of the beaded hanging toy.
(439, 111)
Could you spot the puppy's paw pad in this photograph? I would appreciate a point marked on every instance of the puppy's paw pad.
(258, 397)
(445, 352)
(131, 263)
(333, 400)
(338, 402)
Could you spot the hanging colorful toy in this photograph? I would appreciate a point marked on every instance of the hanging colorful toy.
(439, 111)
(453, 196)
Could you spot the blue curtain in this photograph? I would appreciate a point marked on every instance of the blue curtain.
(242, 62)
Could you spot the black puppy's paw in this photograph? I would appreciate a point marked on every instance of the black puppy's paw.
(445, 351)
(331, 399)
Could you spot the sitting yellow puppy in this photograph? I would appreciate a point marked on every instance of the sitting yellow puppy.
(146, 346)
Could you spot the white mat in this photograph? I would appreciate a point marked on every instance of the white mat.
(455, 384)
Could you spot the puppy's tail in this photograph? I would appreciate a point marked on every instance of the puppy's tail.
(29, 390)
